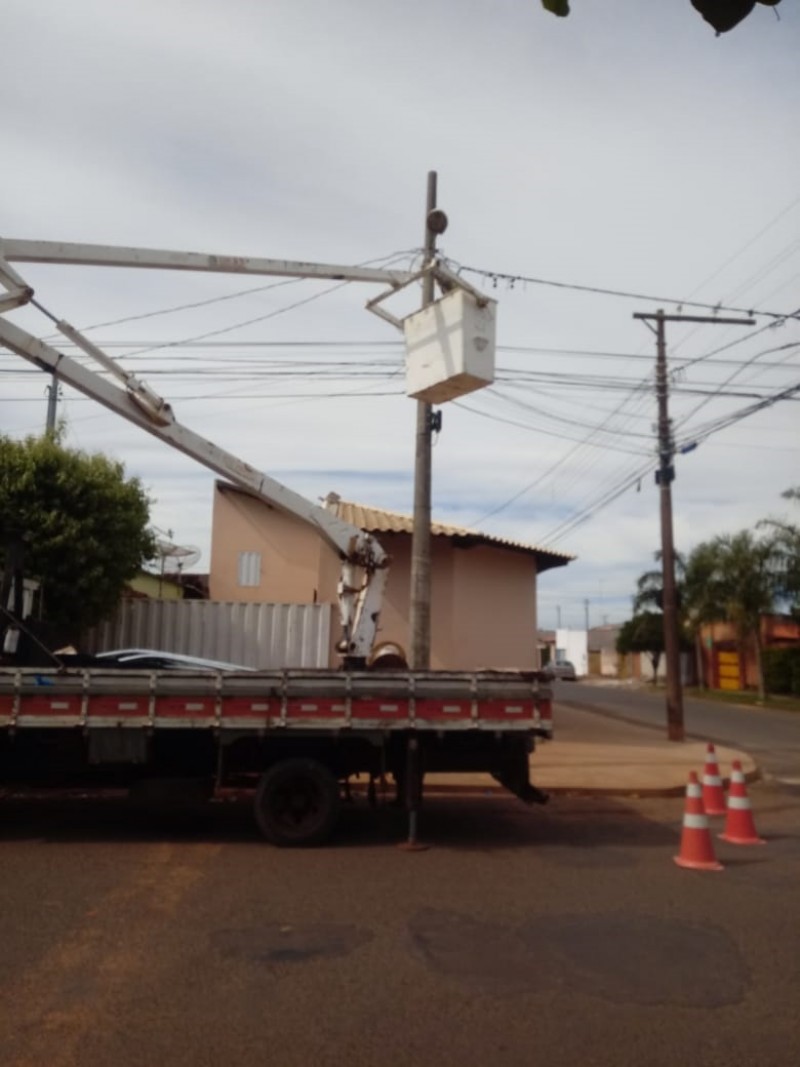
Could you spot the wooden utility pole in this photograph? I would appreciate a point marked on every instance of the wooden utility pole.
(420, 616)
(664, 478)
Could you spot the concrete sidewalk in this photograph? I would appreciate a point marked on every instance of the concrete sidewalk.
(595, 754)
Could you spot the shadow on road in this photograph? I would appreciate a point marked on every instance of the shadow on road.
(572, 830)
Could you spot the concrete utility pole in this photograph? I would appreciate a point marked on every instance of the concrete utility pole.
(420, 616)
(52, 402)
(664, 478)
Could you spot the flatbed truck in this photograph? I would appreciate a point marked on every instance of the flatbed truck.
(291, 737)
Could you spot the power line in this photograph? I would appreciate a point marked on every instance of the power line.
(553, 415)
(534, 429)
(238, 396)
(392, 257)
(600, 502)
(767, 268)
(607, 497)
(550, 472)
(563, 529)
(727, 381)
(398, 346)
(728, 420)
(541, 383)
(557, 416)
(512, 279)
(741, 363)
(745, 247)
(261, 318)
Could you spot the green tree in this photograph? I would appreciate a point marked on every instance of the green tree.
(650, 586)
(742, 584)
(695, 605)
(786, 543)
(643, 633)
(82, 523)
(736, 578)
(723, 15)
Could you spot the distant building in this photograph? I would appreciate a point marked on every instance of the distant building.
(728, 663)
(604, 660)
(572, 646)
(154, 586)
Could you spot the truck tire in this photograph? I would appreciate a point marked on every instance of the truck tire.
(297, 803)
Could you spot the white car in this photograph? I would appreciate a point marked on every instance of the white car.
(153, 660)
(564, 669)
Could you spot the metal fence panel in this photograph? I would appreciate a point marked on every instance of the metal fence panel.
(265, 636)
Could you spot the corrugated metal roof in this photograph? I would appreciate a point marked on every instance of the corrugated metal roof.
(377, 520)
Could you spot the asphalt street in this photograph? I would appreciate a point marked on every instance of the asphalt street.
(771, 736)
(559, 935)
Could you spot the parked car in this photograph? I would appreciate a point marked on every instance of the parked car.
(153, 660)
(564, 669)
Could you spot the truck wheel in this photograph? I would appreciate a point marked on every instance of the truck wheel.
(297, 803)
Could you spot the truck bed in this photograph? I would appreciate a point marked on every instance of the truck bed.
(276, 700)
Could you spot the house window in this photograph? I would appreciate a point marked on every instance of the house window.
(250, 568)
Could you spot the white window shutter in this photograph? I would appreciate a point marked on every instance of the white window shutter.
(250, 568)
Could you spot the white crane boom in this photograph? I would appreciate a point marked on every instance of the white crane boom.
(21, 251)
(364, 562)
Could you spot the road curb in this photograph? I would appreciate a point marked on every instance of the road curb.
(784, 785)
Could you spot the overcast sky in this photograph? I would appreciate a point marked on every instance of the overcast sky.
(623, 148)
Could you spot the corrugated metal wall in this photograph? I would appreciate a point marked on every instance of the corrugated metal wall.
(255, 635)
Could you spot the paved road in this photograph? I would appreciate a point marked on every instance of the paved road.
(562, 935)
(773, 737)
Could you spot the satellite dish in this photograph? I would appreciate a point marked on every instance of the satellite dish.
(171, 558)
(174, 558)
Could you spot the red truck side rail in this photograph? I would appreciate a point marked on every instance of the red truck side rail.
(275, 700)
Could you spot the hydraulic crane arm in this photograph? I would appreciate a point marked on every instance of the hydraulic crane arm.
(22, 251)
(364, 562)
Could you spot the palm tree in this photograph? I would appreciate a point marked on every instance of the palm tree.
(650, 586)
(692, 576)
(786, 541)
(735, 578)
(741, 582)
(701, 598)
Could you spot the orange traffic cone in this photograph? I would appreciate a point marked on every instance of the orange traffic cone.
(713, 793)
(740, 829)
(697, 848)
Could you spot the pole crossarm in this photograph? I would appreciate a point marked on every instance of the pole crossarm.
(87, 255)
(657, 315)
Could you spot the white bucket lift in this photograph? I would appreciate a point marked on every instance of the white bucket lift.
(450, 347)
(450, 344)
